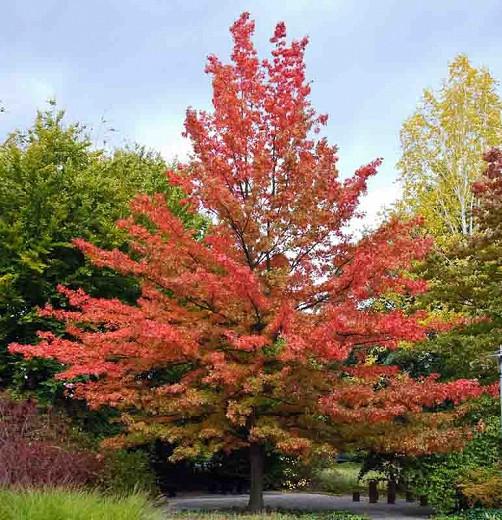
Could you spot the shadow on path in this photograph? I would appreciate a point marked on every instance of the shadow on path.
(401, 510)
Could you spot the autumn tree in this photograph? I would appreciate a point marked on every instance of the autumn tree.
(262, 331)
(442, 147)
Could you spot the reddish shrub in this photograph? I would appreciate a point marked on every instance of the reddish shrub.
(36, 450)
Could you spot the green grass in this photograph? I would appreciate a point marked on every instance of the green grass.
(341, 479)
(56, 504)
(337, 515)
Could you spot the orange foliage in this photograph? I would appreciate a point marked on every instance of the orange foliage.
(258, 320)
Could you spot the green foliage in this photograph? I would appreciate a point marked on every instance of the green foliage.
(473, 514)
(440, 477)
(464, 277)
(462, 285)
(54, 187)
(296, 475)
(288, 471)
(127, 472)
(482, 486)
(58, 504)
(339, 481)
(344, 478)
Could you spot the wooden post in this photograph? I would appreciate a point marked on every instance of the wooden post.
(373, 491)
(391, 492)
(409, 497)
(423, 500)
(356, 496)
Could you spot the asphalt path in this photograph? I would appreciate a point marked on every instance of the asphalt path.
(401, 510)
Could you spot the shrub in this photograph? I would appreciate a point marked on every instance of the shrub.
(58, 504)
(442, 477)
(35, 449)
(473, 514)
(125, 472)
(482, 487)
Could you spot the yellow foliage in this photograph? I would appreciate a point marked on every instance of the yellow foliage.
(483, 487)
(442, 147)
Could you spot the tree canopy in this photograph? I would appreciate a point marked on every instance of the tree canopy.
(55, 186)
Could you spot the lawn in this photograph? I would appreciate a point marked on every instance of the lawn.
(342, 479)
(57, 504)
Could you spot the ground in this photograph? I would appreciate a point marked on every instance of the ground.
(305, 502)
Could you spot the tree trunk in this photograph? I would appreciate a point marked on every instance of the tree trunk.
(256, 458)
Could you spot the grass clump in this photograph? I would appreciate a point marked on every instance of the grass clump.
(58, 504)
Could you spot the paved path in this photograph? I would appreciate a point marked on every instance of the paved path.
(305, 502)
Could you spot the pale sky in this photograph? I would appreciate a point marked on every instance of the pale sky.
(139, 64)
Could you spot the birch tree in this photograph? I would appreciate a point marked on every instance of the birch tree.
(443, 143)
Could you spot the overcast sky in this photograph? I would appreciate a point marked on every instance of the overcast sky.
(139, 64)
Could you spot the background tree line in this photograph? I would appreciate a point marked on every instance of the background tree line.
(450, 171)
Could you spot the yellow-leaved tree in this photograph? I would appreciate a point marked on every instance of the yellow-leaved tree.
(442, 149)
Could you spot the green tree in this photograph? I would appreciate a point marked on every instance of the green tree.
(54, 187)
(465, 280)
(442, 147)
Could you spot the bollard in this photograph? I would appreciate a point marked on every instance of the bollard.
(356, 496)
(423, 500)
(409, 497)
(391, 492)
(373, 492)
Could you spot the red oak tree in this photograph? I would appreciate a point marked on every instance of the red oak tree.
(262, 331)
